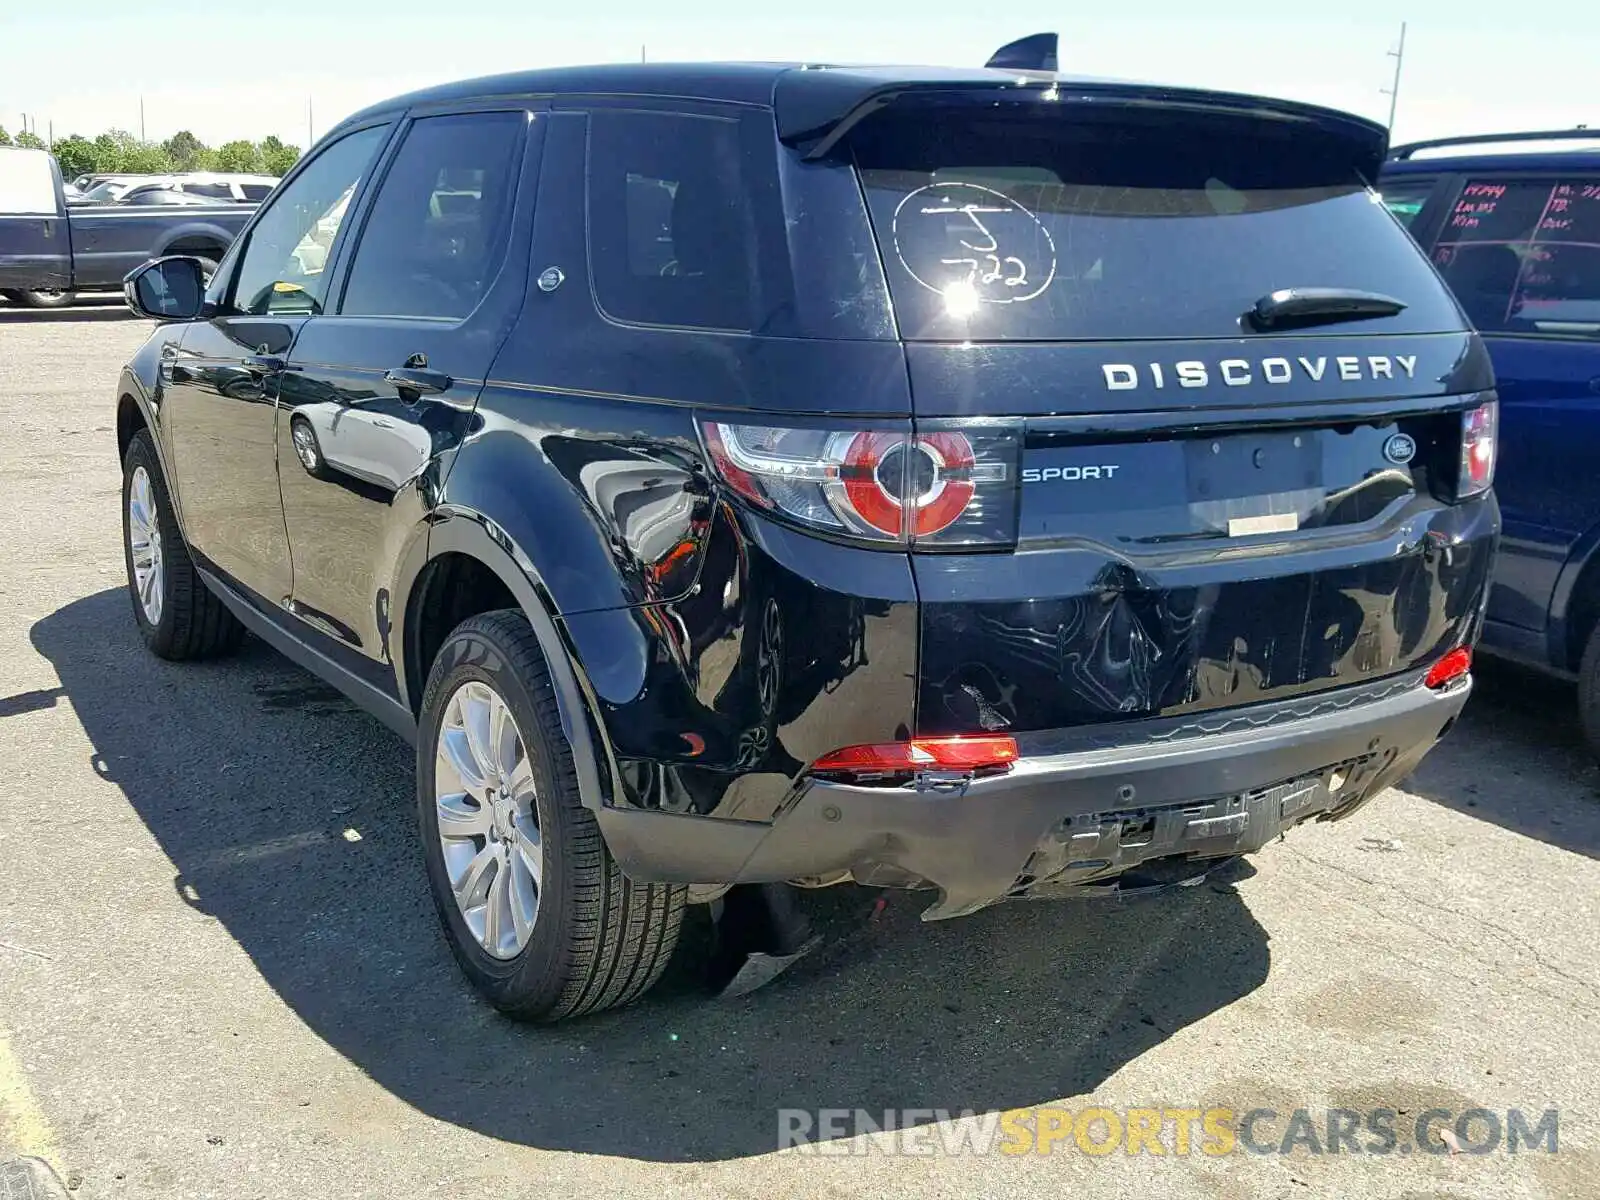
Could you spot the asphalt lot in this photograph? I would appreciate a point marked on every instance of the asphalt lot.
(209, 987)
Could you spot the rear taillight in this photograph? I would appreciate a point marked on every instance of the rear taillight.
(1450, 668)
(959, 753)
(1479, 434)
(939, 487)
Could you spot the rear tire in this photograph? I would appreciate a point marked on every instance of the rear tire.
(46, 298)
(177, 615)
(1589, 691)
(598, 939)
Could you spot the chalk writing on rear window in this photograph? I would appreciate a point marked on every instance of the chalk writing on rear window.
(975, 239)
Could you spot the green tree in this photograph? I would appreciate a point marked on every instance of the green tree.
(184, 149)
(147, 158)
(76, 156)
(107, 155)
(30, 141)
(5, 138)
(276, 156)
(241, 156)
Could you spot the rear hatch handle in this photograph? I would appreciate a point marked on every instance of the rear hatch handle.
(1292, 307)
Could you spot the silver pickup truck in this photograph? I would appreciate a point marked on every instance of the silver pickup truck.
(49, 253)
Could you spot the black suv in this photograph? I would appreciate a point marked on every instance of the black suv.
(982, 481)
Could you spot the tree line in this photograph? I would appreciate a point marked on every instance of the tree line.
(118, 152)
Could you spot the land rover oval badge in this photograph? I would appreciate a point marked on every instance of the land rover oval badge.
(1400, 449)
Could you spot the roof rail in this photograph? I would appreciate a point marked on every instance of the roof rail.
(1036, 52)
(1581, 133)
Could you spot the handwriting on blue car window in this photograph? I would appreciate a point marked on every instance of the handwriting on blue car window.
(968, 239)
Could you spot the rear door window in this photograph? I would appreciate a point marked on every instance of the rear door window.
(1523, 255)
(438, 228)
(1123, 224)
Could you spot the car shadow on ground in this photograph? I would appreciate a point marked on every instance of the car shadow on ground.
(1532, 721)
(256, 780)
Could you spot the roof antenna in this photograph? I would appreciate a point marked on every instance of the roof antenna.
(1036, 52)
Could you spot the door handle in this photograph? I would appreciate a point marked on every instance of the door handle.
(415, 382)
(263, 364)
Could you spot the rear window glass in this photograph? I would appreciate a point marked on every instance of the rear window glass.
(1125, 224)
(1523, 255)
(1405, 198)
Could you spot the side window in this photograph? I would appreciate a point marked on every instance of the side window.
(673, 203)
(211, 191)
(436, 233)
(1405, 197)
(255, 193)
(1523, 256)
(26, 185)
(284, 266)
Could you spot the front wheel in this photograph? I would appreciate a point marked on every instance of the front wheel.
(177, 615)
(307, 447)
(540, 917)
(46, 298)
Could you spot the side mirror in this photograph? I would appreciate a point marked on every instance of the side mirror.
(166, 289)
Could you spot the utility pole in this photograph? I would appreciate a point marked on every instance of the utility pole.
(642, 57)
(1393, 90)
(141, 118)
(309, 136)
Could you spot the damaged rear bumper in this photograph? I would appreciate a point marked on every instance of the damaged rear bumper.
(1078, 809)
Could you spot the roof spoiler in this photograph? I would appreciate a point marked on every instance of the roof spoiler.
(1581, 133)
(1036, 52)
(816, 108)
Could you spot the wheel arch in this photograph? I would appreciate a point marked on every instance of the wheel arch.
(1575, 602)
(462, 537)
(191, 236)
(135, 411)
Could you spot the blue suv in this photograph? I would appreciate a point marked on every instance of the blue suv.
(1513, 224)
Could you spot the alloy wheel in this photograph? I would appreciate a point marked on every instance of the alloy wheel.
(144, 545)
(305, 446)
(487, 808)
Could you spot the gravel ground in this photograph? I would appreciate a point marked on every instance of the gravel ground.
(211, 986)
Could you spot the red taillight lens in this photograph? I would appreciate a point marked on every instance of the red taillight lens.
(1479, 435)
(1450, 668)
(965, 753)
(945, 487)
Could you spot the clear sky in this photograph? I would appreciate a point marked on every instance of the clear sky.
(226, 69)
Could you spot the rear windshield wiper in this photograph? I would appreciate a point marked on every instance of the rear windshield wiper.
(1290, 307)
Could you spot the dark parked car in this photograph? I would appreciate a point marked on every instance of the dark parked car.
(1513, 223)
(50, 251)
(171, 197)
(971, 480)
